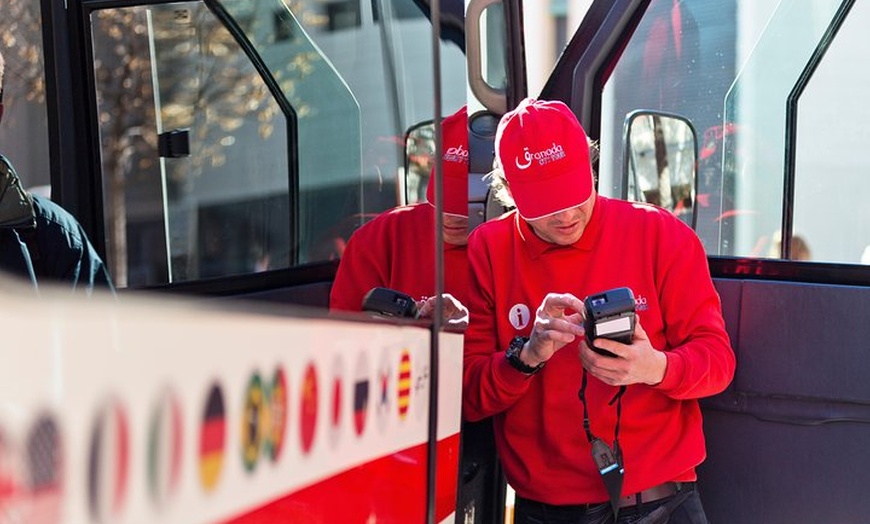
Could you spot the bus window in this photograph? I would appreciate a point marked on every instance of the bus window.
(730, 68)
(831, 161)
(244, 137)
(221, 206)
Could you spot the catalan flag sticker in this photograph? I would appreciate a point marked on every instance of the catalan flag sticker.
(404, 384)
(212, 438)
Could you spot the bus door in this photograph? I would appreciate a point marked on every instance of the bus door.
(197, 125)
(767, 99)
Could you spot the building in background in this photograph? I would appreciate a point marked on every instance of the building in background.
(549, 25)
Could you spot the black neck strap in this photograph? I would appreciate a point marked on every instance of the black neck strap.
(616, 398)
(608, 460)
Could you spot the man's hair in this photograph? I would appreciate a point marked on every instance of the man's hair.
(499, 186)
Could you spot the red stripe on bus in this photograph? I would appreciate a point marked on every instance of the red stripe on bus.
(392, 489)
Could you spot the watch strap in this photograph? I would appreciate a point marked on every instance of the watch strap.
(513, 357)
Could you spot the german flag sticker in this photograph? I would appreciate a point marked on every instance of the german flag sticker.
(278, 418)
(308, 409)
(212, 438)
(252, 422)
(404, 384)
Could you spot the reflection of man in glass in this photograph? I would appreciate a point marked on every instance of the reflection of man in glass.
(671, 54)
(396, 249)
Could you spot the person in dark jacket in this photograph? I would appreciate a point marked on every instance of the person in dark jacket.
(41, 241)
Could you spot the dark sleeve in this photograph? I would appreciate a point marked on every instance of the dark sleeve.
(14, 256)
(63, 252)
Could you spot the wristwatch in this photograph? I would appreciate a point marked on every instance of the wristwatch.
(513, 357)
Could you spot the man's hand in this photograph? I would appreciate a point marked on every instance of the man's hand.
(637, 363)
(454, 313)
(558, 321)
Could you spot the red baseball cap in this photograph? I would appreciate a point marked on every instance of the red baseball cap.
(544, 153)
(454, 147)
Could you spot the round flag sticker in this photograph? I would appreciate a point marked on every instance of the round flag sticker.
(252, 422)
(336, 401)
(108, 463)
(9, 478)
(278, 416)
(360, 394)
(164, 448)
(404, 384)
(383, 391)
(308, 408)
(212, 436)
(43, 485)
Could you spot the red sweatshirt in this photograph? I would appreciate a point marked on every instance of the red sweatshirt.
(539, 419)
(396, 250)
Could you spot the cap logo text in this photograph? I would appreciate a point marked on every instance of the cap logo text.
(456, 154)
(555, 152)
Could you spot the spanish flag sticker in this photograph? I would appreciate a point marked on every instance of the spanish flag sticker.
(211, 439)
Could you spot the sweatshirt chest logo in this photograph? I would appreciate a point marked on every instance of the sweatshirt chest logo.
(520, 316)
(640, 303)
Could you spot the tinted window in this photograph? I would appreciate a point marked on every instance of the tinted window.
(730, 67)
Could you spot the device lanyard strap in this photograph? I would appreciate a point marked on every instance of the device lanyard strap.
(608, 460)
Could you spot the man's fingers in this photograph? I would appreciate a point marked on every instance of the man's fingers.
(555, 304)
(567, 325)
(639, 332)
(552, 335)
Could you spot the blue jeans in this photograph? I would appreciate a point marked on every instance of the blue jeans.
(689, 512)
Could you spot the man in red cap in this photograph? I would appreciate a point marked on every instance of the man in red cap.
(574, 447)
(396, 250)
